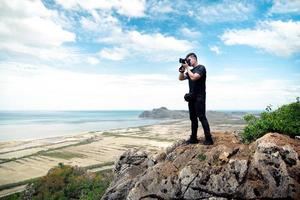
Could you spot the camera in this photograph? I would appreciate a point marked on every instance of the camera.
(182, 60)
(185, 61)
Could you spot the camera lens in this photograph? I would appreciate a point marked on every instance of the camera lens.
(181, 60)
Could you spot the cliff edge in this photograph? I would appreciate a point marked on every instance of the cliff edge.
(266, 168)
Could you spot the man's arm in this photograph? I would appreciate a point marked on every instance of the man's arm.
(182, 76)
(193, 76)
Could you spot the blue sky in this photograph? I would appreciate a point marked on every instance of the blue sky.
(123, 54)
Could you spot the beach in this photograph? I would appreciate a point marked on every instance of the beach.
(94, 150)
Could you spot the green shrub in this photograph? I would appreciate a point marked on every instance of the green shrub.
(15, 196)
(285, 120)
(65, 182)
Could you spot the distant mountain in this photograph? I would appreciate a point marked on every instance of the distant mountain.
(163, 112)
(212, 116)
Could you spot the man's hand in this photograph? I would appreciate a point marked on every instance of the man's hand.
(186, 66)
(181, 69)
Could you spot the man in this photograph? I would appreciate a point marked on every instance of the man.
(197, 79)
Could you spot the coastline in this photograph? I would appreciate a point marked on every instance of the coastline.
(18, 156)
(35, 131)
(82, 132)
(94, 150)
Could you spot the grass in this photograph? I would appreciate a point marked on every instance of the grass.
(128, 146)
(12, 185)
(43, 152)
(31, 147)
(99, 165)
(137, 137)
(201, 157)
(14, 196)
(63, 154)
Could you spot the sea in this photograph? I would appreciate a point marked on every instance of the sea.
(27, 125)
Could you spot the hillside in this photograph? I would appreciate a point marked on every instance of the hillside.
(163, 112)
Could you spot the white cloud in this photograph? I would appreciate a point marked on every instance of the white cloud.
(69, 4)
(28, 27)
(53, 53)
(277, 37)
(103, 26)
(215, 49)
(86, 4)
(228, 91)
(224, 78)
(30, 23)
(34, 31)
(223, 11)
(130, 8)
(158, 7)
(114, 53)
(29, 87)
(20, 9)
(156, 42)
(92, 60)
(285, 6)
(126, 43)
(204, 11)
(154, 46)
(190, 32)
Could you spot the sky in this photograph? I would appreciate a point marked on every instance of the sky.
(123, 54)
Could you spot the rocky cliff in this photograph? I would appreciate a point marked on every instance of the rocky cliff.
(266, 168)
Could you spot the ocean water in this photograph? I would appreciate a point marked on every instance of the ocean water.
(23, 125)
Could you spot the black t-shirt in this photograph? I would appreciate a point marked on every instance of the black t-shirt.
(198, 87)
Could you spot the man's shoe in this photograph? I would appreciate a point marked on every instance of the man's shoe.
(208, 142)
(192, 141)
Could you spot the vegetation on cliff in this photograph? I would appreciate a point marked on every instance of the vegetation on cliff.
(66, 182)
(284, 120)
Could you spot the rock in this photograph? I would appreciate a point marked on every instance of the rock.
(226, 170)
(130, 165)
(270, 165)
(289, 155)
(159, 157)
(129, 158)
(29, 192)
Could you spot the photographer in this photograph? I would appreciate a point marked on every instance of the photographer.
(196, 96)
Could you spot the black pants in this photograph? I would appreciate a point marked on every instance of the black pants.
(197, 110)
